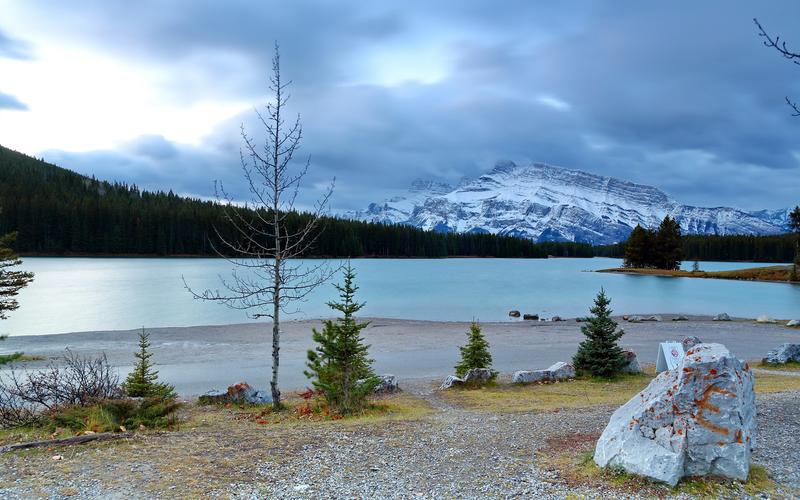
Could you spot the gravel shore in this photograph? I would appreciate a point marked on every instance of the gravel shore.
(197, 359)
(449, 452)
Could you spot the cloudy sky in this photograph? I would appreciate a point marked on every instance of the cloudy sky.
(680, 95)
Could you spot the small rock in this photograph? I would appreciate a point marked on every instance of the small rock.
(636, 319)
(653, 318)
(556, 318)
(451, 381)
(689, 342)
(680, 318)
(514, 314)
(301, 487)
(531, 317)
(478, 376)
(783, 354)
(631, 362)
(142, 428)
(721, 317)
(765, 319)
(387, 384)
(236, 393)
(58, 457)
(794, 322)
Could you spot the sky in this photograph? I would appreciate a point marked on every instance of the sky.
(681, 95)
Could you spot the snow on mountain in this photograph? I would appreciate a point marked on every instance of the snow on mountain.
(548, 203)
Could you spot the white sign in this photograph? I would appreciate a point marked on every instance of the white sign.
(670, 355)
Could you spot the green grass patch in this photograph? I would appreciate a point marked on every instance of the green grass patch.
(18, 357)
(791, 366)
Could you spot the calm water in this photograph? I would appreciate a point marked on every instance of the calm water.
(84, 294)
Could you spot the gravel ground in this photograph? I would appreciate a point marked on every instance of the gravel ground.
(447, 453)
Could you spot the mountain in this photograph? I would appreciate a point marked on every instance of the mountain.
(547, 203)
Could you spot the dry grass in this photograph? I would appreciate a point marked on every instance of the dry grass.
(581, 393)
(791, 366)
(768, 273)
(571, 457)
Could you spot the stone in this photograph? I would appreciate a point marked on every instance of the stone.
(451, 381)
(697, 419)
(653, 318)
(636, 319)
(783, 354)
(556, 372)
(514, 314)
(721, 317)
(689, 342)
(478, 376)
(236, 393)
(680, 318)
(531, 317)
(765, 319)
(556, 318)
(388, 383)
(794, 322)
(631, 362)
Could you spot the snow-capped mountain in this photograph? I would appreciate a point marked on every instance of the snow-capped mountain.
(548, 203)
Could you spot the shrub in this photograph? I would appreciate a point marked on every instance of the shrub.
(475, 354)
(112, 415)
(599, 355)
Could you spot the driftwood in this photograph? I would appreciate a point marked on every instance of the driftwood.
(85, 438)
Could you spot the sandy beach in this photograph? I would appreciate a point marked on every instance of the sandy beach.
(200, 358)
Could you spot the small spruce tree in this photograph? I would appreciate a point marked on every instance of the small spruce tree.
(599, 354)
(340, 366)
(142, 382)
(696, 267)
(475, 354)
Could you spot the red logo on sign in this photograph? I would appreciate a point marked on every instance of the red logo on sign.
(674, 353)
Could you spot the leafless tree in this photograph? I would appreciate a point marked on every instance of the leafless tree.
(267, 279)
(780, 45)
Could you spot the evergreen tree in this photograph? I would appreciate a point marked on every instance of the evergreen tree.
(599, 354)
(696, 267)
(11, 281)
(668, 249)
(794, 225)
(637, 248)
(142, 382)
(339, 366)
(475, 354)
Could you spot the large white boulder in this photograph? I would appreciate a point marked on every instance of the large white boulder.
(765, 319)
(697, 419)
(556, 372)
(721, 317)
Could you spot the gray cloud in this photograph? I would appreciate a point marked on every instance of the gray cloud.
(8, 101)
(682, 95)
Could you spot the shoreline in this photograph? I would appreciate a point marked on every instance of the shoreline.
(201, 358)
(755, 274)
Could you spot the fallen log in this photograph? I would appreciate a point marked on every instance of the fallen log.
(82, 439)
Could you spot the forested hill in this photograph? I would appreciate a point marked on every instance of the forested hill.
(59, 212)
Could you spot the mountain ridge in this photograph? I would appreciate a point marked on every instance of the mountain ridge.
(543, 202)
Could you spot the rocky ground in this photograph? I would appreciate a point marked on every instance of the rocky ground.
(439, 450)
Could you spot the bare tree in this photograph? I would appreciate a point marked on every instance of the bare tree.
(267, 277)
(780, 45)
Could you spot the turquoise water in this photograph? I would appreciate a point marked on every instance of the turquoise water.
(86, 294)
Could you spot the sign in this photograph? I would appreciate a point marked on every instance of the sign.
(670, 355)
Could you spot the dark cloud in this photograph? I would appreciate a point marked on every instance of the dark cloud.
(680, 95)
(8, 101)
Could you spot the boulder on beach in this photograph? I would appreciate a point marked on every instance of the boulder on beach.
(689, 342)
(556, 318)
(556, 372)
(721, 317)
(631, 362)
(636, 319)
(794, 322)
(653, 318)
(236, 393)
(783, 354)
(451, 381)
(765, 319)
(697, 419)
(531, 317)
(388, 383)
(680, 318)
(514, 313)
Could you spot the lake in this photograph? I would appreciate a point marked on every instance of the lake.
(88, 294)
